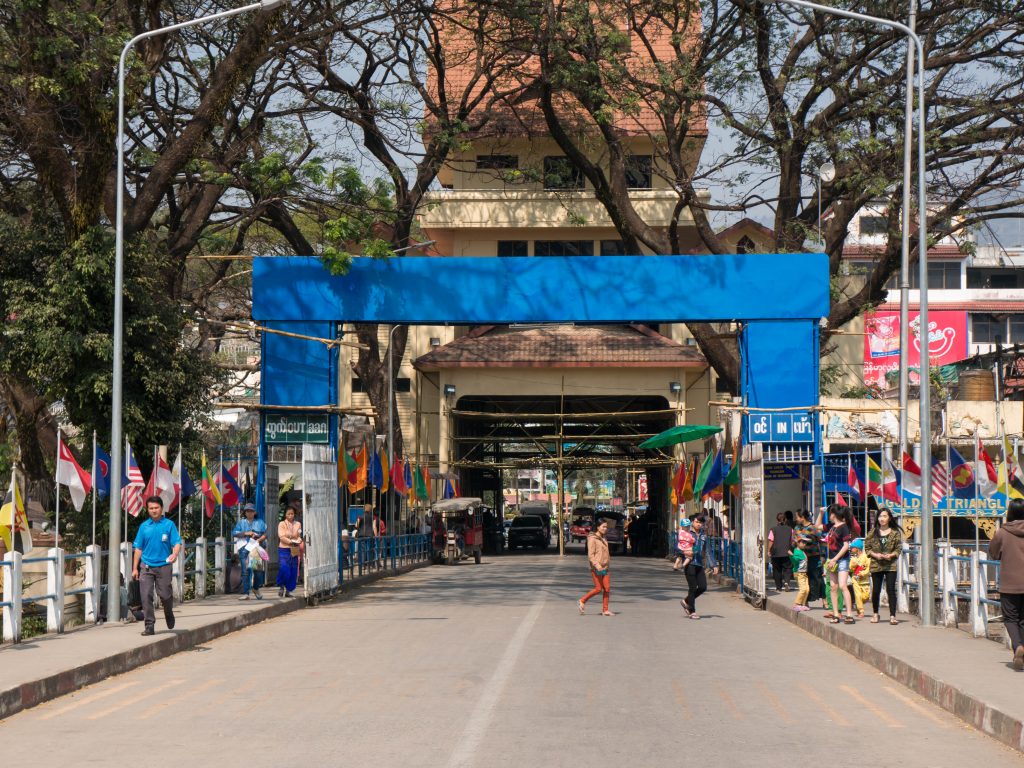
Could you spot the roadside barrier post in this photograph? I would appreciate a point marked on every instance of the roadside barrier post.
(126, 561)
(200, 567)
(12, 597)
(178, 577)
(947, 578)
(903, 580)
(220, 565)
(979, 590)
(55, 590)
(93, 581)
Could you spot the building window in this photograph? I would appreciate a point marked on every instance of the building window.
(983, 277)
(401, 385)
(638, 171)
(613, 248)
(563, 248)
(559, 173)
(497, 162)
(873, 225)
(745, 245)
(513, 248)
(985, 328)
(942, 275)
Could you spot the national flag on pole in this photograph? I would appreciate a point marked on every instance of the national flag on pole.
(715, 476)
(732, 477)
(101, 471)
(853, 480)
(69, 473)
(407, 479)
(962, 475)
(346, 468)
(703, 474)
(184, 488)
(161, 483)
(426, 481)
(1011, 479)
(882, 480)
(985, 473)
(691, 475)
(211, 493)
(911, 475)
(14, 528)
(449, 489)
(385, 470)
(358, 477)
(940, 481)
(398, 477)
(132, 484)
(230, 491)
(840, 501)
(376, 476)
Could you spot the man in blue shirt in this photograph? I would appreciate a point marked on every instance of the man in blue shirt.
(157, 545)
(250, 529)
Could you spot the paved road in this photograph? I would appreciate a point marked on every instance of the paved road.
(491, 665)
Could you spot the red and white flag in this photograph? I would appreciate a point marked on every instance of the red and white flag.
(853, 480)
(940, 481)
(985, 474)
(69, 473)
(840, 501)
(911, 475)
(161, 483)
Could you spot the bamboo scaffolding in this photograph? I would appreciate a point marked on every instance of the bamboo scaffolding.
(359, 410)
(565, 416)
(326, 342)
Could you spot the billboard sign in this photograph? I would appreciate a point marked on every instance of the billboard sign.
(947, 343)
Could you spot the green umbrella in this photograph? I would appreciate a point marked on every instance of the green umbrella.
(684, 433)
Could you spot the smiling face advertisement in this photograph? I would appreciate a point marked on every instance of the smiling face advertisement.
(946, 342)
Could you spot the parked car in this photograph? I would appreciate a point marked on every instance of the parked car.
(580, 528)
(527, 530)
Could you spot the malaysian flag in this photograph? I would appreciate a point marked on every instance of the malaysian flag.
(940, 481)
(132, 484)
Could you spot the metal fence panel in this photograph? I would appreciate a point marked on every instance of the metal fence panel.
(319, 519)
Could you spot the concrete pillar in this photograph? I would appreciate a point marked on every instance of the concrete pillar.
(55, 588)
(220, 562)
(93, 581)
(200, 568)
(127, 555)
(979, 589)
(178, 576)
(903, 580)
(12, 596)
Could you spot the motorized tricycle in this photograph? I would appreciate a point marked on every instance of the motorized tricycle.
(457, 529)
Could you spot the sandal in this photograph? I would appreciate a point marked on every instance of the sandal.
(694, 616)
(849, 620)
(894, 621)
(583, 610)
(874, 619)
(828, 615)
(835, 620)
(607, 613)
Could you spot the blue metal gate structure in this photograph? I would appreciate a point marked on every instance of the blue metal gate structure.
(779, 299)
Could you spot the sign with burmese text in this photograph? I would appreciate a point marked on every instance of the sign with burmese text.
(296, 428)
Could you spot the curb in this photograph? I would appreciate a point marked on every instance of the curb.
(28, 695)
(991, 721)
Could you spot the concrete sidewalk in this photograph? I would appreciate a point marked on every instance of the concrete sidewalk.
(969, 677)
(51, 665)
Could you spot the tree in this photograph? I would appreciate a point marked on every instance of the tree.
(790, 90)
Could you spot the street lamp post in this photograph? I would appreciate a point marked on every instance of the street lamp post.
(926, 570)
(391, 430)
(826, 173)
(114, 539)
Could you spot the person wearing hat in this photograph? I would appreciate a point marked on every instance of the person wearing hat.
(684, 545)
(247, 529)
(289, 537)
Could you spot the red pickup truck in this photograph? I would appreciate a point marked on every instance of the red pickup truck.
(580, 529)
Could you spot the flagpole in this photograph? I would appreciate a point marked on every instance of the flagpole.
(202, 505)
(950, 495)
(56, 483)
(221, 471)
(977, 492)
(127, 460)
(94, 487)
(867, 487)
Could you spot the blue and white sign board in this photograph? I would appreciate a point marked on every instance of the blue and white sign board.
(789, 427)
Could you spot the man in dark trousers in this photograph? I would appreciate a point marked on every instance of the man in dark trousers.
(157, 545)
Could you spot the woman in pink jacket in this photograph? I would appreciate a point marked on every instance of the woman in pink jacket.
(600, 559)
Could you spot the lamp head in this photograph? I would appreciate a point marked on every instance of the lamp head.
(827, 172)
(269, 5)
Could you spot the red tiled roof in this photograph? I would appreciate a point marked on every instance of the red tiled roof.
(963, 306)
(562, 346)
(857, 251)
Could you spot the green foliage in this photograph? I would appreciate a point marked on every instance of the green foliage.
(365, 210)
(59, 305)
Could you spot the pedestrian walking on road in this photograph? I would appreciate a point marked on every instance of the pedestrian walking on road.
(883, 546)
(810, 532)
(247, 529)
(798, 562)
(781, 538)
(600, 560)
(838, 566)
(1007, 546)
(701, 557)
(684, 544)
(157, 545)
(289, 534)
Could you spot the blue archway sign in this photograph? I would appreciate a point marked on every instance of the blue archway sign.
(780, 299)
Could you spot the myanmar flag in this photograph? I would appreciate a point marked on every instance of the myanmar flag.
(881, 484)
(357, 478)
(210, 491)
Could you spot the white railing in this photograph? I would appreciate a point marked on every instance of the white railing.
(193, 564)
